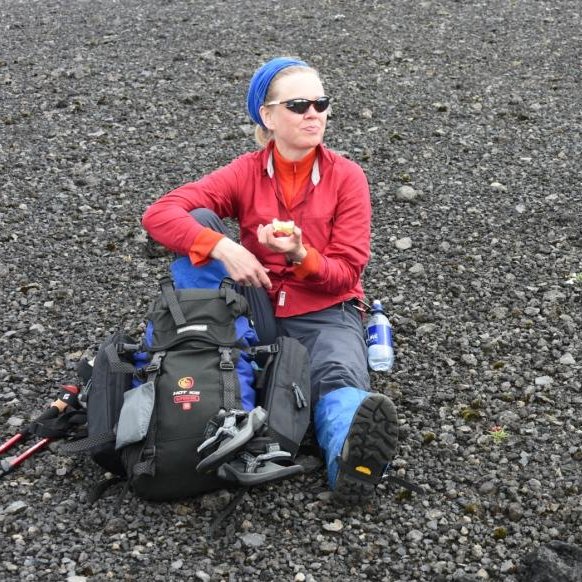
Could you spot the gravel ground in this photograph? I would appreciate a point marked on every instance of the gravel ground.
(466, 118)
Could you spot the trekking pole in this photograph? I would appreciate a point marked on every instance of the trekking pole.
(68, 397)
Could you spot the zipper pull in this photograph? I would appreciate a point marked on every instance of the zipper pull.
(299, 397)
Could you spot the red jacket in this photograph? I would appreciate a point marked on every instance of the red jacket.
(333, 213)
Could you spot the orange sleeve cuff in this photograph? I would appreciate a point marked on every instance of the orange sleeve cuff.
(202, 246)
(309, 265)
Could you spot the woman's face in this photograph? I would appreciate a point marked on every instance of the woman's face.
(295, 133)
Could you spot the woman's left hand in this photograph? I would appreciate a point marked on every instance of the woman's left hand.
(291, 245)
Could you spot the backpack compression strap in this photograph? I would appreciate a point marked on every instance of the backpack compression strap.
(145, 466)
(230, 394)
(112, 352)
(227, 293)
(170, 296)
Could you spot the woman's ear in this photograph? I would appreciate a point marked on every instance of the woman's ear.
(265, 113)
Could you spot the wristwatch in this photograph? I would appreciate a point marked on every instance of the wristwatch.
(290, 261)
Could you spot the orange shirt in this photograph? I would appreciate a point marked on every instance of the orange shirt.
(292, 176)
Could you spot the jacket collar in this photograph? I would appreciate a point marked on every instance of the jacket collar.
(322, 160)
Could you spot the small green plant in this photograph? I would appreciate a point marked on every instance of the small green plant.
(468, 414)
(403, 495)
(477, 403)
(574, 278)
(473, 508)
(498, 434)
(500, 533)
(428, 437)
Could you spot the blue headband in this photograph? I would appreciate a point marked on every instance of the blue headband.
(261, 80)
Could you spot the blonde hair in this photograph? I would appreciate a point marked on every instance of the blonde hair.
(263, 135)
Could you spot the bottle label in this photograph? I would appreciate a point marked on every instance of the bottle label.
(379, 334)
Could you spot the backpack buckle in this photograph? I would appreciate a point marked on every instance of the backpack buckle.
(151, 368)
(124, 348)
(266, 349)
(227, 283)
(155, 363)
(226, 362)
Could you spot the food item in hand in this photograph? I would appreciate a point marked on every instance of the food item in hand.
(283, 227)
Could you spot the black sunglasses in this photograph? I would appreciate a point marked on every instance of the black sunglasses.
(302, 105)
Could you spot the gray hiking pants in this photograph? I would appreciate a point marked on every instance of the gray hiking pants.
(334, 337)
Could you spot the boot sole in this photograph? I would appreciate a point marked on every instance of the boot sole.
(370, 445)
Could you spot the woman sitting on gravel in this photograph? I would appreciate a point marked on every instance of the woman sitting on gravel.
(307, 283)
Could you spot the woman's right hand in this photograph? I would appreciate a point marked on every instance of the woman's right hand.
(243, 267)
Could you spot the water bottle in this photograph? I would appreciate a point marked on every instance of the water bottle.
(379, 340)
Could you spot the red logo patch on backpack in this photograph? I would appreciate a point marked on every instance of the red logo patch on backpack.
(186, 398)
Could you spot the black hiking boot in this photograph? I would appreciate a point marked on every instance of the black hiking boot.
(370, 446)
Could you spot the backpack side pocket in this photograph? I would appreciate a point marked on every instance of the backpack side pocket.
(135, 415)
(286, 394)
(112, 376)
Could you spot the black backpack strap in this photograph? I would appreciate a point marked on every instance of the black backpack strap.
(88, 443)
(228, 291)
(152, 369)
(230, 394)
(230, 296)
(403, 483)
(169, 293)
(95, 493)
(112, 352)
(215, 524)
(146, 466)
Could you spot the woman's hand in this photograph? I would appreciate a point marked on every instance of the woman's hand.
(291, 245)
(241, 264)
